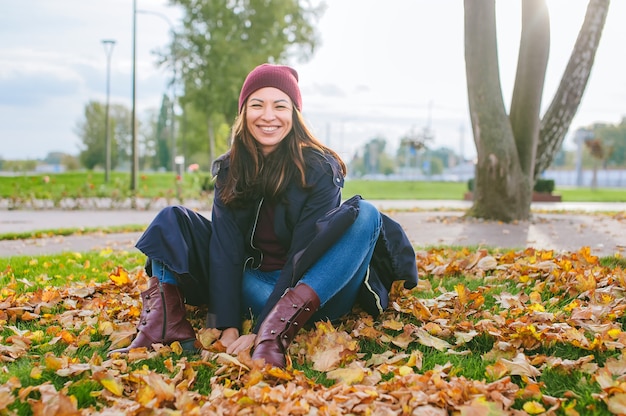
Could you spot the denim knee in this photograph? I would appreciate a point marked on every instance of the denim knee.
(368, 216)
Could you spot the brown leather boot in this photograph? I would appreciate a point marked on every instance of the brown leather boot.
(280, 326)
(162, 319)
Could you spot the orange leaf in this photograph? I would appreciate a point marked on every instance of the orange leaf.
(53, 363)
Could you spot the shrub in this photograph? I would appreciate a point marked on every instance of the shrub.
(541, 185)
(544, 186)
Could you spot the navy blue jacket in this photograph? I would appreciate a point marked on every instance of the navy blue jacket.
(302, 225)
(231, 244)
(209, 257)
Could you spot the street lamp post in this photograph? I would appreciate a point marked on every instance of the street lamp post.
(133, 114)
(135, 157)
(108, 50)
(173, 103)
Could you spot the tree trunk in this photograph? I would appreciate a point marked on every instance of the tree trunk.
(594, 177)
(211, 131)
(557, 119)
(531, 72)
(501, 188)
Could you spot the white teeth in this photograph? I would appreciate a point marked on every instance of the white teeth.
(269, 129)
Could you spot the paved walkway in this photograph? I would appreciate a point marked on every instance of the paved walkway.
(558, 226)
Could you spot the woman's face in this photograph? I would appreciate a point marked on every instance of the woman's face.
(269, 117)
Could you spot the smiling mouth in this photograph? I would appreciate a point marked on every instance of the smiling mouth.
(269, 129)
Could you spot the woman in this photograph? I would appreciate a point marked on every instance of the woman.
(279, 247)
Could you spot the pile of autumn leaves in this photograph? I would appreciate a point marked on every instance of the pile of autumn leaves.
(522, 300)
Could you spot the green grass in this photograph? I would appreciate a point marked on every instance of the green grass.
(72, 231)
(62, 269)
(405, 189)
(591, 195)
(91, 185)
(166, 185)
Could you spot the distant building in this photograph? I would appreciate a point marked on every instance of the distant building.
(49, 168)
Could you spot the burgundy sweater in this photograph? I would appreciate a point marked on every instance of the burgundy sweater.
(265, 239)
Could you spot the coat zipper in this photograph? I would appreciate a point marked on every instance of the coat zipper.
(256, 221)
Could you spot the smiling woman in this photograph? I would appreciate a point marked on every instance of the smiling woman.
(268, 117)
(280, 247)
(267, 98)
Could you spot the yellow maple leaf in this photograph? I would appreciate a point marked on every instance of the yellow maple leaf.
(119, 276)
(53, 363)
(533, 408)
(585, 282)
(67, 337)
(144, 394)
(496, 371)
(36, 372)
(393, 324)
(176, 347)
(163, 388)
(536, 307)
(585, 252)
(461, 292)
(415, 359)
(405, 370)
(353, 374)
(547, 255)
(109, 382)
(279, 373)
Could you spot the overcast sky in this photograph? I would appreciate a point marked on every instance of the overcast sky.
(382, 70)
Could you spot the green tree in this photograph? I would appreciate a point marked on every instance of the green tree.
(54, 158)
(373, 159)
(193, 131)
(91, 132)
(412, 147)
(513, 149)
(614, 137)
(446, 157)
(163, 136)
(222, 40)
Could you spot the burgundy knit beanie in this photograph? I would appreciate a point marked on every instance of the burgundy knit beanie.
(268, 75)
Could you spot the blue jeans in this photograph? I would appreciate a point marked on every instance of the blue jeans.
(336, 277)
(165, 275)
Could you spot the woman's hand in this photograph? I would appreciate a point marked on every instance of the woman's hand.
(243, 343)
(234, 343)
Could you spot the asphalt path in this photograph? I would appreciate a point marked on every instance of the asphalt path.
(554, 226)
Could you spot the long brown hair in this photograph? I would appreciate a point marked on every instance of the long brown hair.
(252, 175)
